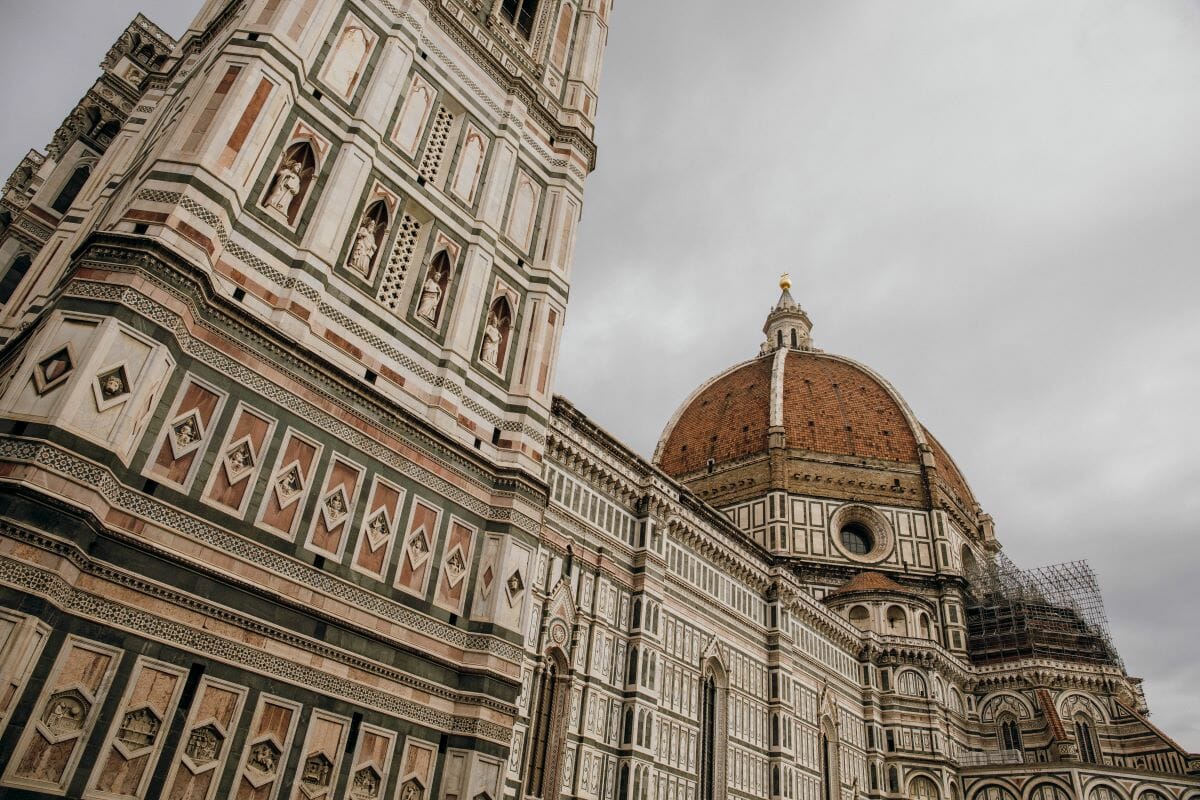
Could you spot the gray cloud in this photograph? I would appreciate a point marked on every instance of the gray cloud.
(993, 204)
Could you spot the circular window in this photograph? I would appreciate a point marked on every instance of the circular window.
(860, 534)
(857, 539)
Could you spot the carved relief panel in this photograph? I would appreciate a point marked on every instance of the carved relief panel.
(322, 755)
(416, 769)
(264, 757)
(239, 460)
(455, 569)
(206, 741)
(139, 730)
(335, 508)
(377, 531)
(416, 553)
(188, 430)
(371, 764)
(287, 490)
(52, 743)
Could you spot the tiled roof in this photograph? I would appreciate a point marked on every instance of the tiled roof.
(869, 581)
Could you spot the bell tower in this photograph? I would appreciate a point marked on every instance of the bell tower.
(394, 189)
(279, 312)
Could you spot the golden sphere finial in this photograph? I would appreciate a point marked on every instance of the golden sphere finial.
(785, 281)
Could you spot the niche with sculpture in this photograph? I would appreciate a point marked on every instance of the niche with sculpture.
(368, 239)
(496, 331)
(291, 181)
(433, 291)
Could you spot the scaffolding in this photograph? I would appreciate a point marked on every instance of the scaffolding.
(1050, 612)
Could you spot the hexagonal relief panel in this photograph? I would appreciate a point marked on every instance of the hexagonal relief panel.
(65, 712)
(367, 783)
(204, 745)
(139, 729)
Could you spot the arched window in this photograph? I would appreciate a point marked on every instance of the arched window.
(70, 189)
(368, 239)
(897, 621)
(1010, 733)
(1049, 791)
(545, 750)
(16, 271)
(1103, 793)
(713, 699)
(860, 617)
(893, 780)
(289, 185)
(522, 14)
(912, 683)
(994, 792)
(922, 788)
(831, 780)
(925, 628)
(1085, 740)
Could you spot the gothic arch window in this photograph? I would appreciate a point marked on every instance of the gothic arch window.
(1085, 740)
(1049, 791)
(521, 14)
(795, 340)
(714, 691)
(368, 239)
(289, 185)
(831, 780)
(70, 189)
(545, 748)
(922, 788)
(893, 781)
(496, 331)
(1010, 733)
(16, 271)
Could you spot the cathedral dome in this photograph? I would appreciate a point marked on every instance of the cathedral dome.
(819, 408)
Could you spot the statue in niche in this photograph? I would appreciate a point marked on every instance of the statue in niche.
(491, 340)
(364, 246)
(287, 186)
(431, 296)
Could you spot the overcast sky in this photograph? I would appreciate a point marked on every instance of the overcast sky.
(994, 204)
